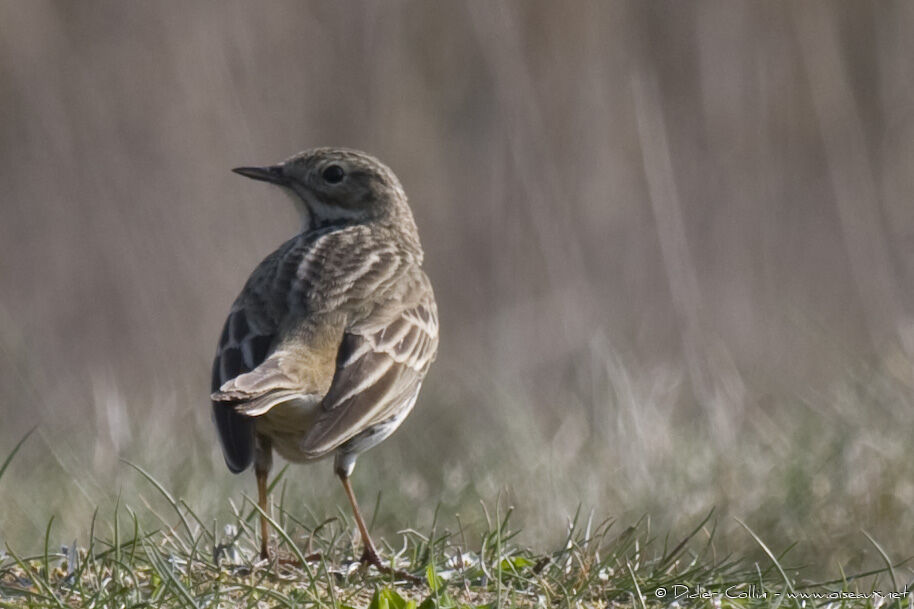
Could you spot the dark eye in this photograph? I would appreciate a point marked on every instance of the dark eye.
(333, 174)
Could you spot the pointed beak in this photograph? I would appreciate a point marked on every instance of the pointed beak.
(272, 173)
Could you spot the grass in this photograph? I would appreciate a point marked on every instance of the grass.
(189, 562)
(809, 487)
(812, 496)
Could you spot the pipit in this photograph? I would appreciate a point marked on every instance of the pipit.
(325, 349)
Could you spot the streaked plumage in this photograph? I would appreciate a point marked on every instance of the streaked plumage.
(325, 349)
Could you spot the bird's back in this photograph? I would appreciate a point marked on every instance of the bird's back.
(302, 307)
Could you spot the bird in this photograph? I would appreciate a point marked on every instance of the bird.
(326, 347)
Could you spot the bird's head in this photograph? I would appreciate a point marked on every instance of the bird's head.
(337, 185)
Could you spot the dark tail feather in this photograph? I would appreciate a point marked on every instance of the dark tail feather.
(236, 433)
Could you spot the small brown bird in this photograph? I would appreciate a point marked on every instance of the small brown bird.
(325, 349)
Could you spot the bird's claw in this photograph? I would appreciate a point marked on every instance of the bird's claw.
(370, 557)
(290, 560)
(295, 562)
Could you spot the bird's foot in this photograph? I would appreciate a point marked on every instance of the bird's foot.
(289, 559)
(370, 557)
(295, 562)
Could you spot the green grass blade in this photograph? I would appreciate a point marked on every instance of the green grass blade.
(9, 458)
(885, 558)
(774, 560)
(165, 493)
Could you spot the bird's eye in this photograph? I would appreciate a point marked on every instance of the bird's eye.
(333, 174)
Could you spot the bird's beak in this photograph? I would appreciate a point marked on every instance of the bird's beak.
(272, 173)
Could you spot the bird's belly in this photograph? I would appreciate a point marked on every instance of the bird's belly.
(287, 423)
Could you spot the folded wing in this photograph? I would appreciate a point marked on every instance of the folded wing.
(241, 349)
(379, 368)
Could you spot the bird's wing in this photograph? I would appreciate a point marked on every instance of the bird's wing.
(300, 368)
(379, 366)
(242, 348)
(248, 338)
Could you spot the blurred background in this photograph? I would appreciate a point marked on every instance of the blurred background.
(672, 245)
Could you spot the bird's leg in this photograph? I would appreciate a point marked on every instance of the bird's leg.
(370, 555)
(262, 502)
(262, 464)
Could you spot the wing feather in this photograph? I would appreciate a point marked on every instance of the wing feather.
(240, 350)
(380, 366)
(247, 338)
